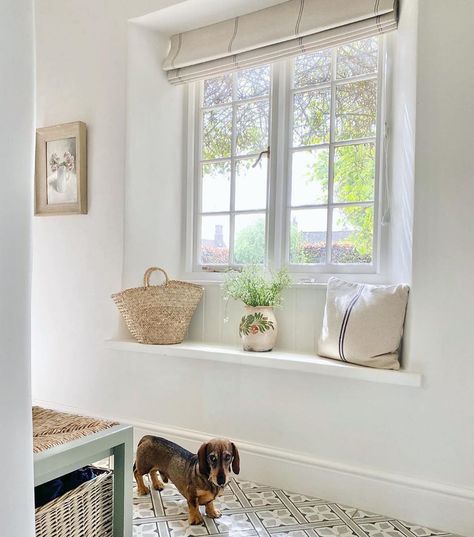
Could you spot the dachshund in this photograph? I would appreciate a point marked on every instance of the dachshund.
(199, 478)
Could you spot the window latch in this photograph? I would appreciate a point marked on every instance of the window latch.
(259, 158)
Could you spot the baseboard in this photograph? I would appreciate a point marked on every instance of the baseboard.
(436, 505)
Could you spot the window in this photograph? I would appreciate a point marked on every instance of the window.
(233, 183)
(325, 109)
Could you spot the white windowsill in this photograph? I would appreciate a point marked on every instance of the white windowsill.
(288, 361)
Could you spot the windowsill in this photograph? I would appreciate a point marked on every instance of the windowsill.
(287, 361)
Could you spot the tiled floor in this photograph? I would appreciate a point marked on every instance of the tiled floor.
(250, 510)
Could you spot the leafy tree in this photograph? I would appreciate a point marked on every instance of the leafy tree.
(249, 247)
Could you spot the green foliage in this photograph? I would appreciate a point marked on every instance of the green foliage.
(254, 323)
(254, 287)
(354, 178)
(249, 247)
(354, 172)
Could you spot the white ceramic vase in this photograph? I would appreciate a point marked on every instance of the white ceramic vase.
(61, 179)
(258, 329)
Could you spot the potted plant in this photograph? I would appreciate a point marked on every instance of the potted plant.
(260, 293)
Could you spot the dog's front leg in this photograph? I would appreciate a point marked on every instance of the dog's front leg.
(143, 490)
(212, 511)
(195, 517)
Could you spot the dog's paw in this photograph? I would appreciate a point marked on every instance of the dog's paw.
(143, 492)
(196, 520)
(159, 487)
(213, 513)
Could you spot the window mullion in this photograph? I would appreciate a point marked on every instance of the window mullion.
(232, 172)
(277, 201)
(332, 137)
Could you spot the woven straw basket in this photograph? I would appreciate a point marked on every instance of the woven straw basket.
(159, 314)
(86, 510)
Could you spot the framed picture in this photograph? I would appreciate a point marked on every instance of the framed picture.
(61, 169)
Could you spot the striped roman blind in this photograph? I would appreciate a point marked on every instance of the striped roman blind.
(283, 30)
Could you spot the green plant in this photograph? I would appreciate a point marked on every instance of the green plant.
(254, 287)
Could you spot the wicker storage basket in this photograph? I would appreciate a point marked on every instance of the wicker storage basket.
(85, 511)
(159, 314)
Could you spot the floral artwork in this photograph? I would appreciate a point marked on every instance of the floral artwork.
(62, 179)
(255, 323)
(61, 169)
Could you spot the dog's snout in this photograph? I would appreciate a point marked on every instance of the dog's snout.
(221, 478)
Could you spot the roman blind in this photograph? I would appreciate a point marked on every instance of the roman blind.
(279, 31)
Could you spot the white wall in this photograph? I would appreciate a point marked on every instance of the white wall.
(78, 259)
(416, 444)
(155, 163)
(16, 165)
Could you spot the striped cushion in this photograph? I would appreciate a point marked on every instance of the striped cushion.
(363, 324)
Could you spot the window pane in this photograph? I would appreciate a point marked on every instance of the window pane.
(252, 127)
(253, 82)
(249, 244)
(309, 177)
(311, 117)
(308, 236)
(354, 173)
(217, 133)
(313, 69)
(356, 108)
(218, 90)
(214, 240)
(250, 184)
(352, 234)
(358, 58)
(216, 187)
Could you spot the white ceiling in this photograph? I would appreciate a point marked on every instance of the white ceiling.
(185, 15)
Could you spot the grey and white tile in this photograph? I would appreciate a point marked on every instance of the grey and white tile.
(253, 510)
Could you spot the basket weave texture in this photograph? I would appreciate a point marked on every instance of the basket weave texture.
(85, 511)
(159, 314)
(52, 428)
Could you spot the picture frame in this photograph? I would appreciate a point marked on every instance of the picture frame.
(61, 169)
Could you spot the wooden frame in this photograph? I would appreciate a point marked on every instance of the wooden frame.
(116, 441)
(61, 170)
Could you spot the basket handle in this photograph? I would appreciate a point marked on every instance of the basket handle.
(148, 273)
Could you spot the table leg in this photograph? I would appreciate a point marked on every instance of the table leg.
(123, 488)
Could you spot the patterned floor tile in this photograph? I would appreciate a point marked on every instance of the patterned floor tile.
(276, 518)
(300, 498)
(336, 531)
(253, 510)
(353, 512)
(175, 506)
(234, 523)
(381, 529)
(143, 509)
(267, 497)
(228, 501)
(250, 485)
(181, 528)
(294, 533)
(318, 513)
(145, 530)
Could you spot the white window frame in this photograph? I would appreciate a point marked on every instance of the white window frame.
(279, 189)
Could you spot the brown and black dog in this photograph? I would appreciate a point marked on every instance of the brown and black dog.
(199, 478)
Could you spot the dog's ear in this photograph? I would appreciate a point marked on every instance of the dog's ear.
(202, 458)
(235, 460)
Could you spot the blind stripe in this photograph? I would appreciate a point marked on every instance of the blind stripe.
(295, 46)
(232, 39)
(300, 16)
